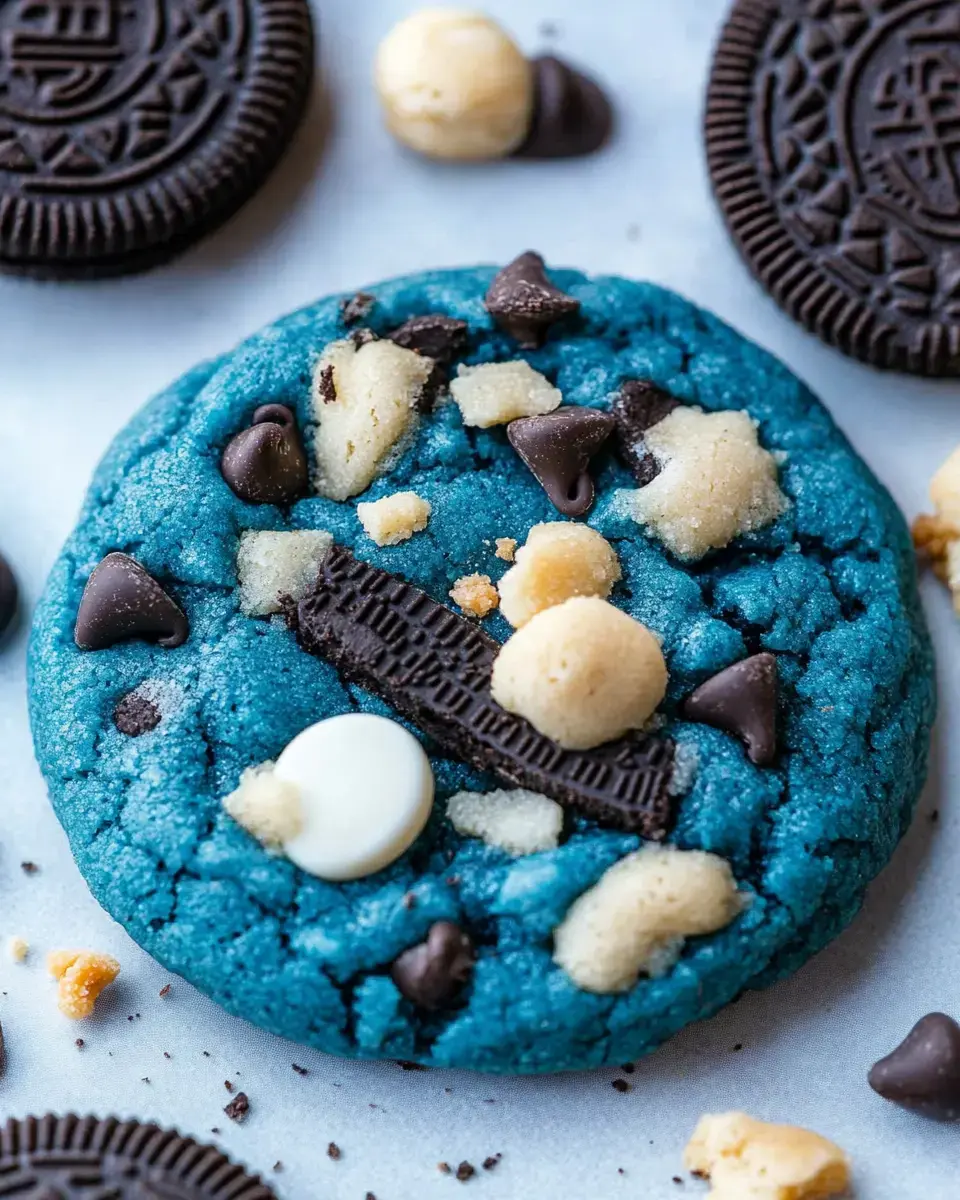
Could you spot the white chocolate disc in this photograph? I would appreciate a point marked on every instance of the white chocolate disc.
(366, 790)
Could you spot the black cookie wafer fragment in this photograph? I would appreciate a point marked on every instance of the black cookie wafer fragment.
(127, 132)
(9, 594)
(524, 302)
(571, 113)
(831, 133)
(122, 600)
(434, 668)
(85, 1158)
(637, 407)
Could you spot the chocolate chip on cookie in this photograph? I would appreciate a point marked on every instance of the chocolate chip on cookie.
(433, 973)
(524, 302)
(558, 447)
(572, 115)
(923, 1073)
(438, 337)
(266, 464)
(639, 405)
(742, 700)
(122, 600)
(8, 596)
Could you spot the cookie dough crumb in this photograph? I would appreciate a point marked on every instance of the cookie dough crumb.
(82, 976)
(633, 921)
(497, 393)
(453, 85)
(518, 821)
(267, 807)
(395, 518)
(716, 481)
(560, 559)
(582, 673)
(506, 549)
(475, 594)
(271, 566)
(365, 403)
(18, 948)
(937, 537)
(747, 1159)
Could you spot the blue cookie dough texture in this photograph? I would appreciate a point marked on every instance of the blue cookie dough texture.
(828, 587)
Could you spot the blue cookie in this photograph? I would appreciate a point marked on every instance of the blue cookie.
(758, 757)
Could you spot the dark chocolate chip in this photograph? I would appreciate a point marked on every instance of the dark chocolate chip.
(637, 407)
(435, 336)
(136, 715)
(572, 115)
(524, 302)
(558, 447)
(434, 666)
(923, 1073)
(742, 700)
(266, 463)
(8, 596)
(432, 974)
(327, 386)
(121, 600)
(356, 308)
(239, 1107)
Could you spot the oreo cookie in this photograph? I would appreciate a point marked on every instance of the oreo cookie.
(831, 138)
(127, 132)
(84, 1158)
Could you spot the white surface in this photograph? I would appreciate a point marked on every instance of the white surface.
(75, 362)
(366, 790)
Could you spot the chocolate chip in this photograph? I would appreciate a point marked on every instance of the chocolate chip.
(356, 308)
(326, 386)
(558, 447)
(121, 600)
(266, 464)
(742, 700)
(238, 1108)
(571, 113)
(466, 1171)
(136, 715)
(638, 406)
(923, 1073)
(524, 302)
(435, 336)
(8, 595)
(432, 974)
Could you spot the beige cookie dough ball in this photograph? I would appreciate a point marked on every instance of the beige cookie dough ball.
(560, 559)
(453, 85)
(582, 673)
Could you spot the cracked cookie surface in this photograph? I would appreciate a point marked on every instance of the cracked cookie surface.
(828, 587)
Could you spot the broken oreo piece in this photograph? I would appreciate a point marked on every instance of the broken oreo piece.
(742, 700)
(558, 447)
(572, 115)
(435, 336)
(637, 407)
(121, 601)
(9, 594)
(356, 308)
(434, 666)
(136, 715)
(266, 463)
(524, 302)
(77, 1158)
(432, 974)
(923, 1073)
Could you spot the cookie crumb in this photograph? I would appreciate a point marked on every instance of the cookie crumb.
(559, 560)
(628, 1068)
(620, 1085)
(18, 948)
(506, 548)
(444, 1168)
(272, 565)
(395, 518)
(498, 393)
(228, 1085)
(678, 1181)
(239, 1108)
(81, 975)
(466, 1171)
(29, 868)
(268, 808)
(167, 1054)
(736, 1047)
(79, 1043)
(299, 1070)
(517, 821)
(491, 1161)
(278, 1166)
(475, 595)
(356, 308)
(165, 991)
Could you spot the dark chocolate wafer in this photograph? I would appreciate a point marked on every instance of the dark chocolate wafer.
(85, 1158)
(434, 668)
(833, 147)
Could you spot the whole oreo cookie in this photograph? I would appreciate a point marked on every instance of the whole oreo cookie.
(831, 137)
(85, 1158)
(127, 132)
(324, 732)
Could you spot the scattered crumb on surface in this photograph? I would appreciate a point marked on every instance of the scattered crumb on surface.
(466, 1171)
(29, 868)
(334, 1152)
(278, 1166)
(239, 1108)
(299, 1070)
(620, 1085)
(228, 1085)
(475, 595)
(506, 548)
(19, 949)
(81, 975)
(395, 518)
(444, 1168)
(491, 1161)
(79, 1043)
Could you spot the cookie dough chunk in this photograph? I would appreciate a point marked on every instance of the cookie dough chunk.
(82, 976)
(747, 1159)
(635, 919)
(560, 560)
(518, 821)
(268, 808)
(498, 393)
(19, 948)
(475, 595)
(274, 565)
(506, 549)
(716, 482)
(938, 537)
(365, 402)
(582, 673)
(453, 85)
(395, 518)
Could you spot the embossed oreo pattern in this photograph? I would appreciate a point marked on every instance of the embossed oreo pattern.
(128, 130)
(833, 136)
(83, 1158)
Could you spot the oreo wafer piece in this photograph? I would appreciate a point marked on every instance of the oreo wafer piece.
(832, 141)
(84, 1158)
(129, 131)
(434, 668)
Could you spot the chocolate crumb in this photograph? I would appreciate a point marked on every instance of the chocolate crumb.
(135, 715)
(326, 386)
(215, 1129)
(737, 1047)
(145, 1079)
(29, 868)
(238, 1108)
(334, 1152)
(466, 1171)
(935, 816)
(621, 1171)
(167, 1054)
(409, 901)
(356, 308)
(79, 1043)
(491, 1161)
(370, 1196)
(299, 1070)
(677, 1180)
(628, 1068)
(620, 1085)
(278, 1165)
(444, 1168)
(405, 1065)
(205, 1053)
(228, 1085)
(165, 990)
